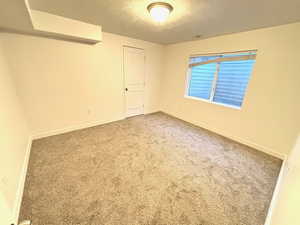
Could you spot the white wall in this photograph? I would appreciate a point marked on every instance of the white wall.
(67, 84)
(268, 119)
(286, 211)
(14, 141)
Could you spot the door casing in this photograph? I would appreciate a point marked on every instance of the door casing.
(136, 87)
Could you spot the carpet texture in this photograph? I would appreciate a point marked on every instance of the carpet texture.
(147, 170)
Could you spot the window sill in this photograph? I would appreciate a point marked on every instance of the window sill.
(215, 103)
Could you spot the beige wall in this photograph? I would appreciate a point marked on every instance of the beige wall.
(268, 119)
(58, 26)
(63, 85)
(14, 140)
(67, 84)
(286, 210)
(5, 213)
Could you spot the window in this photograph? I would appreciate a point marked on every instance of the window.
(221, 78)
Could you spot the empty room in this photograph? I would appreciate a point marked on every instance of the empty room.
(143, 112)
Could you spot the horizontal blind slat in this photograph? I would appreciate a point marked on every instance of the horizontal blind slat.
(201, 80)
(232, 82)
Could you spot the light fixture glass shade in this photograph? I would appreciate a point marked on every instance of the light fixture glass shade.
(160, 11)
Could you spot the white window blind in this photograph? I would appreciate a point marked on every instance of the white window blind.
(201, 80)
(221, 78)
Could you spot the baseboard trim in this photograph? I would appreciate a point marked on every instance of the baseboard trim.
(20, 191)
(283, 172)
(235, 138)
(72, 128)
(78, 126)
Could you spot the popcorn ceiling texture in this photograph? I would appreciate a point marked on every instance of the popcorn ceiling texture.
(147, 170)
(189, 17)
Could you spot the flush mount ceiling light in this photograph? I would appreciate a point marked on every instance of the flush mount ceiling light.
(159, 11)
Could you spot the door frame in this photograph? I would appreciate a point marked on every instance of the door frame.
(124, 79)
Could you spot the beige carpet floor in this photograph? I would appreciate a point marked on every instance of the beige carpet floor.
(147, 170)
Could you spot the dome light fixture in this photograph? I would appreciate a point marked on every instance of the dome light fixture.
(159, 11)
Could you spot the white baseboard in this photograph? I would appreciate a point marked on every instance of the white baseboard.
(78, 126)
(283, 172)
(253, 145)
(19, 194)
(152, 111)
(236, 138)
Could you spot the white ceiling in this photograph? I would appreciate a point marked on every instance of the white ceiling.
(190, 17)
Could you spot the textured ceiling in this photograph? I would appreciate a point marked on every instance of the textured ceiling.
(190, 17)
(14, 15)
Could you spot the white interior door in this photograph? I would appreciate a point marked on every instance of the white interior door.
(134, 75)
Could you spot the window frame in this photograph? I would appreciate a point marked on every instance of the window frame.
(214, 85)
